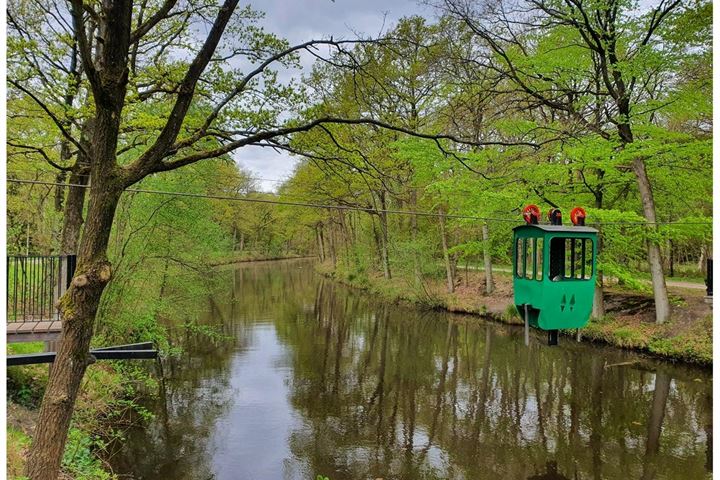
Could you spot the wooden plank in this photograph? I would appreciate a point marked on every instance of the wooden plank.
(26, 327)
(41, 327)
(12, 328)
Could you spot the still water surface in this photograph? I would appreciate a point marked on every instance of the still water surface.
(318, 379)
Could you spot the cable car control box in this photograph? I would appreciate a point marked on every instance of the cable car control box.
(554, 271)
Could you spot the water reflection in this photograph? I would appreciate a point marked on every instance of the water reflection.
(323, 380)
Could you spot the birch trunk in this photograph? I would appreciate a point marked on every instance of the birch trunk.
(662, 304)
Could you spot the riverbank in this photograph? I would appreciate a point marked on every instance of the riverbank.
(105, 409)
(628, 323)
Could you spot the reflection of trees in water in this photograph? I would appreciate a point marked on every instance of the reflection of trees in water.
(386, 391)
(389, 392)
(194, 390)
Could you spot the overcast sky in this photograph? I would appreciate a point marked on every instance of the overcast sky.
(301, 20)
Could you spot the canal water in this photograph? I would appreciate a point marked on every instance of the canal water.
(311, 378)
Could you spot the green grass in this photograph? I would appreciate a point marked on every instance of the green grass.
(693, 345)
(17, 444)
(25, 348)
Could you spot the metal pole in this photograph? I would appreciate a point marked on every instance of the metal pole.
(709, 277)
(527, 327)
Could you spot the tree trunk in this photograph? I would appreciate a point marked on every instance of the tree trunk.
(489, 283)
(702, 261)
(414, 232)
(107, 70)
(333, 251)
(384, 238)
(662, 304)
(75, 203)
(73, 217)
(446, 255)
(77, 307)
(598, 310)
(60, 190)
(321, 247)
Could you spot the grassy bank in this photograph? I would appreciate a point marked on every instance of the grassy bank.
(629, 322)
(105, 409)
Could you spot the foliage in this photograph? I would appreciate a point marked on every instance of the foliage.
(79, 460)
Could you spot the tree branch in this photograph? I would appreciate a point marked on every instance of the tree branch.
(145, 27)
(145, 163)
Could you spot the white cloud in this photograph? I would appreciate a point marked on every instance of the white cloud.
(299, 21)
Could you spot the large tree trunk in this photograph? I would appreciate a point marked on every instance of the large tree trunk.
(106, 66)
(489, 283)
(77, 307)
(79, 304)
(662, 304)
(446, 255)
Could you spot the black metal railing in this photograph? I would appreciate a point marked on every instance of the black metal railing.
(34, 284)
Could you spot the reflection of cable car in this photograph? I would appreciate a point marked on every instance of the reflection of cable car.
(554, 271)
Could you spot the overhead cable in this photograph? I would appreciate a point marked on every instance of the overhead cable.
(332, 207)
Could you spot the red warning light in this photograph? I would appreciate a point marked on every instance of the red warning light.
(531, 214)
(577, 216)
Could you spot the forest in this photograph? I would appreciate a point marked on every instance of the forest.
(416, 151)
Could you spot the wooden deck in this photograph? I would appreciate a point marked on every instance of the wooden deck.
(39, 331)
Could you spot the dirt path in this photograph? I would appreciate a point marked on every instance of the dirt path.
(681, 284)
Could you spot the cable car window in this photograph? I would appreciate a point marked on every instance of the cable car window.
(556, 262)
(519, 255)
(529, 258)
(539, 259)
(587, 256)
(571, 259)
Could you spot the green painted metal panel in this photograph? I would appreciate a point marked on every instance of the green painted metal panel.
(562, 296)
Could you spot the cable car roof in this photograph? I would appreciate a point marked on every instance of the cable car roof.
(558, 228)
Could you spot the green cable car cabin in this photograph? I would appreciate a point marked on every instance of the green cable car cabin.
(554, 271)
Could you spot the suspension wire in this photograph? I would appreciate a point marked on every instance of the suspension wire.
(332, 207)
